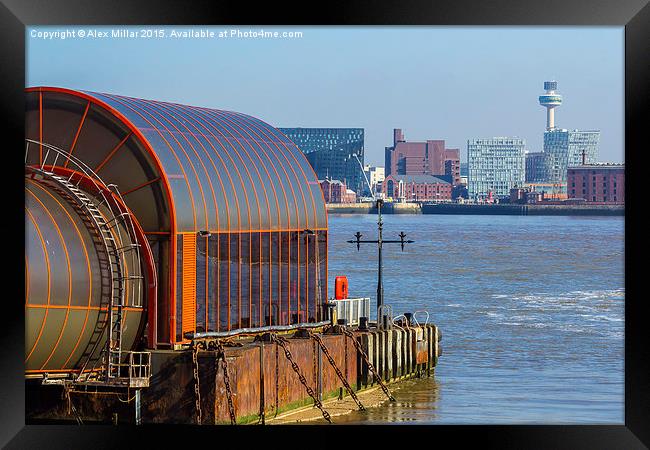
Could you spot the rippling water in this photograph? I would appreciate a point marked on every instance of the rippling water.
(531, 310)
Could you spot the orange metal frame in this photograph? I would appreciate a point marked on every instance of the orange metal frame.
(250, 127)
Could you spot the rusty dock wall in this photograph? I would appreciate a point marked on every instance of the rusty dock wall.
(261, 378)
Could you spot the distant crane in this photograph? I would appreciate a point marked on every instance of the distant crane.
(374, 196)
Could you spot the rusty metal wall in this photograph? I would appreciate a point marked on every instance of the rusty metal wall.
(245, 376)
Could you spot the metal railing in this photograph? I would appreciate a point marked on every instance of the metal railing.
(352, 309)
(139, 368)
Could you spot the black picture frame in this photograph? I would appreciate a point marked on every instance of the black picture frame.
(15, 15)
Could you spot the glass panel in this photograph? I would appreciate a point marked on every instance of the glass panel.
(255, 278)
(311, 278)
(276, 270)
(322, 265)
(304, 255)
(235, 283)
(213, 281)
(294, 278)
(245, 264)
(224, 281)
(283, 304)
(265, 278)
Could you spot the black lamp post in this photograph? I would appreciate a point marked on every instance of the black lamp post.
(380, 241)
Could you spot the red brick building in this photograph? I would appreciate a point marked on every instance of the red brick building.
(336, 191)
(420, 188)
(422, 158)
(602, 183)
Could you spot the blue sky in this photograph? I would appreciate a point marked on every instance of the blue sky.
(452, 83)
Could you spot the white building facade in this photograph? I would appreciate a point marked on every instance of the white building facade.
(495, 165)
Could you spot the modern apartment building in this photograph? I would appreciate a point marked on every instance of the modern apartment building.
(534, 167)
(496, 164)
(564, 149)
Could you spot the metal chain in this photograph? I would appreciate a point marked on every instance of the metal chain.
(195, 373)
(368, 363)
(315, 364)
(226, 380)
(320, 342)
(216, 374)
(262, 412)
(277, 378)
(282, 342)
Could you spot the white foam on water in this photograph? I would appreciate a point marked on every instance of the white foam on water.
(590, 307)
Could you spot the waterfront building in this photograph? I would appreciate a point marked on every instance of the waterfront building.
(565, 148)
(375, 176)
(336, 191)
(525, 195)
(495, 165)
(534, 167)
(418, 188)
(603, 183)
(562, 148)
(422, 158)
(551, 191)
(332, 152)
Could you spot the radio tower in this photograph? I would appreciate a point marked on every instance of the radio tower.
(550, 100)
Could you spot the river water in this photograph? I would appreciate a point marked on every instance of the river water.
(531, 310)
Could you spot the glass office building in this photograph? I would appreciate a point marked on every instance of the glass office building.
(496, 164)
(564, 148)
(534, 167)
(331, 152)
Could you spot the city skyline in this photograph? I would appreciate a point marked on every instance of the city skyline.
(451, 83)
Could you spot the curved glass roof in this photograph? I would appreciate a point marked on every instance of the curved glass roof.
(227, 171)
(224, 171)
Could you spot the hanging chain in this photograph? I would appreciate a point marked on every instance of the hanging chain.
(315, 363)
(326, 352)
(277, 377)
(226, 381)
(282, 342)
(195, 373)
(262, 412)
(368, 363)
(216, 374)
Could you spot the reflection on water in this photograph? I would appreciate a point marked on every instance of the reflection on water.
(531, 310)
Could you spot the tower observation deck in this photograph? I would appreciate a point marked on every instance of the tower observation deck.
(550, 100)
